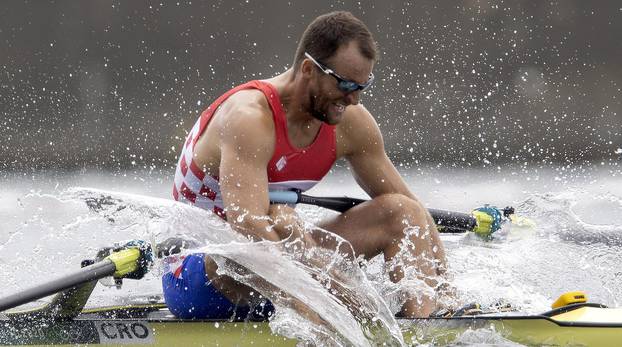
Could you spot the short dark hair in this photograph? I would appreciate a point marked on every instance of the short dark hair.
(330, 31)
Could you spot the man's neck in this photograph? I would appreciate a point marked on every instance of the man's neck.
(294, 99)
(302, 127)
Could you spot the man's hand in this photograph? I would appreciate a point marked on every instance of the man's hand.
(174, 245)
(288, 225)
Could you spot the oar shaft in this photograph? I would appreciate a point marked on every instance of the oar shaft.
(86, 274)
(448, 219)
(453, 220)
(339, 204)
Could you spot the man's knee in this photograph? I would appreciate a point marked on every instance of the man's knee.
(401, 212)
(398, 205)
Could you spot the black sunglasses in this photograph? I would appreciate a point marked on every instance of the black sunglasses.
(343, 84)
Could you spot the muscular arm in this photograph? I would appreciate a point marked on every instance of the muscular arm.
(247, 144)
(363, 147)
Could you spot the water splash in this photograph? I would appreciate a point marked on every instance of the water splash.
(339, 306)
(530, 268)
(322, 296)
(567, 251)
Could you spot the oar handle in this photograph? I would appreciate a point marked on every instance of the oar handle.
(453, 221)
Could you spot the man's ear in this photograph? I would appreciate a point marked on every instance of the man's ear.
(306, 68)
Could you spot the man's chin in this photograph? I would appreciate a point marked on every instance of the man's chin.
(334, 120)
(327, 117)
(321, 116)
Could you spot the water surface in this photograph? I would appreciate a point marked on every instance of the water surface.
(48, 229)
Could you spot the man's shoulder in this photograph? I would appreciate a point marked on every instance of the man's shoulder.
(247, 107)
(251, 101)
(245, 115)
(357, 131)
(355, 119)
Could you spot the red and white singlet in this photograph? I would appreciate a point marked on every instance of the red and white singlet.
(289, 167)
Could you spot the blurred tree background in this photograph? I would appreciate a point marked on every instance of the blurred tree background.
(116, 84)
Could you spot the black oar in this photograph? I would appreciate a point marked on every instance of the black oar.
(84, 275)
(124, 263)
(451, 222)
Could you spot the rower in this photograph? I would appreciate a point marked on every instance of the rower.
(285, 133)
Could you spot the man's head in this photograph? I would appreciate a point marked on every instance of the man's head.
(335, 55)
(329, 31)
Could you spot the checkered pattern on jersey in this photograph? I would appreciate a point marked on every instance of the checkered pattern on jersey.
(192, 185)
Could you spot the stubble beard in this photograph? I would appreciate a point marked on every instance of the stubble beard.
(317, 113)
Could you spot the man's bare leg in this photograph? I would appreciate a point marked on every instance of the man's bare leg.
(380, 225)
(377, 226)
